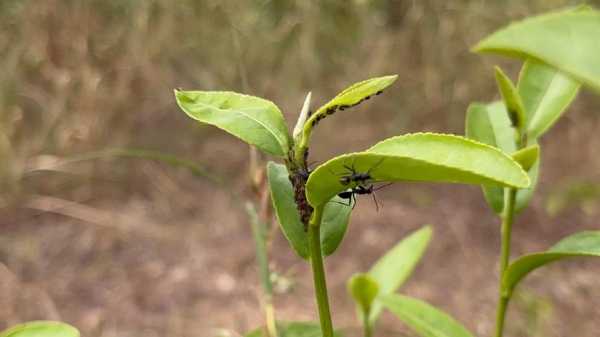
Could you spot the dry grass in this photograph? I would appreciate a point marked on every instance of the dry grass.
(130, 247)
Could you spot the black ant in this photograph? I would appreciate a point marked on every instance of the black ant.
(359, 178)
(360, 190)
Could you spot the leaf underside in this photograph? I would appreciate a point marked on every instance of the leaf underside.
(546, 93)
(490, 124)
(335, 217)
(566, 40)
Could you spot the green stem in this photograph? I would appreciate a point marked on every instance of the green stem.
(316, 261)
(507, 220)
(270, 317)
(367, 331)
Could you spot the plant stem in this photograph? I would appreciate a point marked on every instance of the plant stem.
(316, 261)
(270, 317)
(366, 326)
(507, 220)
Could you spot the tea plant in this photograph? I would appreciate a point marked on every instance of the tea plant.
(313, 206)
(308, 204)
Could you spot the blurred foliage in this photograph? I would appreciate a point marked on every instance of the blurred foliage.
(536, 313)
(582, 194)
(81, 76)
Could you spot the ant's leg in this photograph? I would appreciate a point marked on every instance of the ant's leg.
(376, 165)
(354, 199)
(337, 202)
(382, 186)
(375, 200)
(335, 174)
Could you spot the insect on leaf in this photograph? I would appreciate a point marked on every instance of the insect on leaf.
(419, 157)
(41, 329)
(335, 217)
(566, 40)
(581, 244)
(423, 318)
(352, 96)
(254, 120)
(393, 269)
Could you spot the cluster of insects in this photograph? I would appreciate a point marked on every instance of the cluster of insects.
(362, 184)
(332, 109)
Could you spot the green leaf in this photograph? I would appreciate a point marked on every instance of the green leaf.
(512, 99)
(490, 124)
(524, 195)
(419, 157)
(566, 40)
(581, 244)
(546, 94)
(527, 157)
(352, 96)
(254, 120)
(333, 225)
(41, 329)
(292, 329)
(423, 318)
(363, 289)
(393, 269)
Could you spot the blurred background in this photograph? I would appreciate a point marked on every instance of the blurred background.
(97, 230)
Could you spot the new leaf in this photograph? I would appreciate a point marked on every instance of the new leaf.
(335, 217)
(254, 120)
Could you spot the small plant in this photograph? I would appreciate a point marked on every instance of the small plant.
(310, 204)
